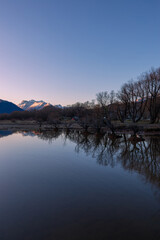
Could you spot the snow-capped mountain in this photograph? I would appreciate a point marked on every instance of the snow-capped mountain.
(33, 105)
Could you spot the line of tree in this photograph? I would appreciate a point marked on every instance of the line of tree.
(141, 99)
(136, 100)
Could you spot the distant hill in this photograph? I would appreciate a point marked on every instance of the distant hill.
(8, 107)
(34, 105)
(58, 106)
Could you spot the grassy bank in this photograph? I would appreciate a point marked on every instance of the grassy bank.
(142, 127)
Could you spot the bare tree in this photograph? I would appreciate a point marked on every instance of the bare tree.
(153, 88)
(133, 95)
(97, 118)
(121, 106)
(103, 99)
(106, 100)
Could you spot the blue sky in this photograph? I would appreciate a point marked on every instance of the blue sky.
(64, 51)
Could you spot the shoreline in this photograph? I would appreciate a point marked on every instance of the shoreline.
(120, 128)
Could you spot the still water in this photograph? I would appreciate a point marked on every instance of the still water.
(71, 186)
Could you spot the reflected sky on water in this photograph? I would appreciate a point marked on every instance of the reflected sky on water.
(69, 185)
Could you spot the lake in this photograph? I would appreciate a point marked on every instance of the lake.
(68, 185)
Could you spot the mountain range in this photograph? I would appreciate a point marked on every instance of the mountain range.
(8, 107)
(33, 105)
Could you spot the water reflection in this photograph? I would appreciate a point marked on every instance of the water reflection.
(46, 194)
(142, 157)
(5, 133)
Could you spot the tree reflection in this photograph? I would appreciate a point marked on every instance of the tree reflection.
(49, 135)
(142, 157)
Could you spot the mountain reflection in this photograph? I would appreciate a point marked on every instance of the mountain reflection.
(5, 133)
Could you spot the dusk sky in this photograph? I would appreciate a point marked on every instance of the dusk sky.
(65, 51)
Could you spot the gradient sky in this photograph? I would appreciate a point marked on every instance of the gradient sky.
(64, 51)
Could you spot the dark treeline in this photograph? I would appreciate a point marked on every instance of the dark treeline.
(135, 101)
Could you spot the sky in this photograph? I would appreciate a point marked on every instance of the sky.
(66, 51)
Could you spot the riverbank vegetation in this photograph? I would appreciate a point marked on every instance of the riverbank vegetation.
(136, 104)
